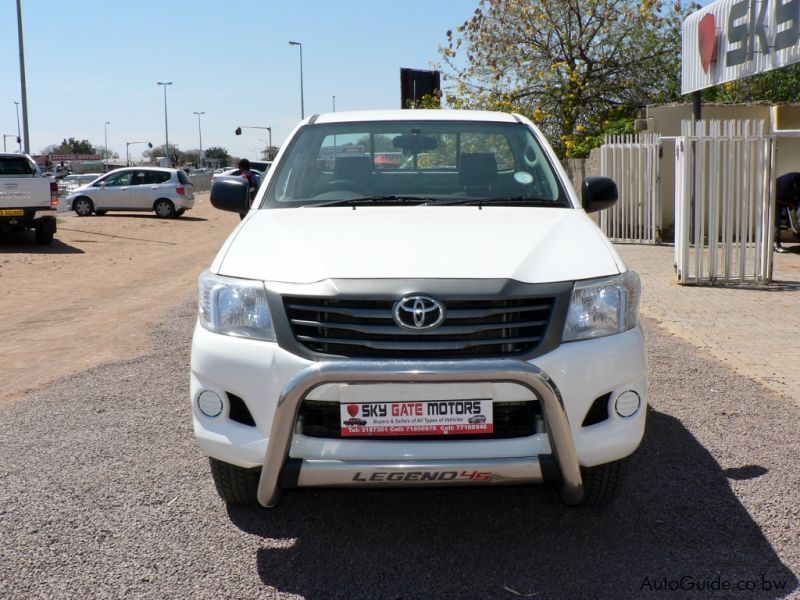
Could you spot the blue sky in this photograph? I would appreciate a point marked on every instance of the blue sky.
(92, 61)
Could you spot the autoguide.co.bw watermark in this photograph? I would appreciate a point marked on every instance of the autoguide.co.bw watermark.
(688, 583)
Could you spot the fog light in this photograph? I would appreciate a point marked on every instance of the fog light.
(627, 403)
(209, 403)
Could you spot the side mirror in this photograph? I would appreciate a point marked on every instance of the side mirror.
(598, 193)
(231, 194)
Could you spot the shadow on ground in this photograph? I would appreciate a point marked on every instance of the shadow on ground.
(675, 523)
(119, 215)
(24, 242)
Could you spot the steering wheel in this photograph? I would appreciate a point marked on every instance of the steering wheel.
(345, 185)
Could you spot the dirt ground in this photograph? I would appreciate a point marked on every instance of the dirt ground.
(89, 297)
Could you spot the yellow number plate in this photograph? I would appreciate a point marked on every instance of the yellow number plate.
(12, 212)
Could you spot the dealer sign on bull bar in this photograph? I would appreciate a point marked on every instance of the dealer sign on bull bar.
(434, 417)
(731, 39)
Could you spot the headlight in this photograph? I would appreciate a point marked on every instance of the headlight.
(235, 307)
(601, 307)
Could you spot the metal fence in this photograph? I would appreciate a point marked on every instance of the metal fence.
(724, 207)
(632, 161)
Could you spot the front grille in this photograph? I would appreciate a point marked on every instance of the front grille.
(366, 328)
(511, 420)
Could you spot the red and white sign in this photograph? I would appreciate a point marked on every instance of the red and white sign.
(730, 39)
(432, 417)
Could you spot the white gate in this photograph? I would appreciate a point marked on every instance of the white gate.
(632, 161)
(724, 208)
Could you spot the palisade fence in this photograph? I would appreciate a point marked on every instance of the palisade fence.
(724, 208)
(632, 161)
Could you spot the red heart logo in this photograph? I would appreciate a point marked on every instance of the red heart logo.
(352, 409)
(707, 38)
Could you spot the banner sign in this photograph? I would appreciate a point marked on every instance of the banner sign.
(58, 157)
(732, 39)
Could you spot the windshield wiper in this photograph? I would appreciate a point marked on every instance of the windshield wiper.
(509, 201)
(375, 200)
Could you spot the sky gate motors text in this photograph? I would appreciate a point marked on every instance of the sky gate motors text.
(420, 409)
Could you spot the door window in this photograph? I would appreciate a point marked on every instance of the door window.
(156, 177)
(119, 179)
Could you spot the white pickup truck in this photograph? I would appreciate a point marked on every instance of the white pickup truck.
(417, 298)
(28, 200)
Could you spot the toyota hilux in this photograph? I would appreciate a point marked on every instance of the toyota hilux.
(450, 317)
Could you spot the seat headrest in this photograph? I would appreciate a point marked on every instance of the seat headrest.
(352, 167)
(477, 169)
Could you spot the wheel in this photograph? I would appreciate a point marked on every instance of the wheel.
(100, 213)
(83, 206)
(235, 485)
(43, 238)
(179, 212)
(600, 483)
(164, 208)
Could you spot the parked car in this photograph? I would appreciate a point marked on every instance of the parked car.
(261, 165)
(28, 199)
(167, 192)
(72, 182)
(235, 172)
(474, 283)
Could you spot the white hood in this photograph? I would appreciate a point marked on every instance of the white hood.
(305, 245)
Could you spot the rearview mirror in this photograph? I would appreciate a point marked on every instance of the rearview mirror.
(598, 193)
(415, 142)
(231, 194)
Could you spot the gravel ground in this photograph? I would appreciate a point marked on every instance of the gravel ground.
(103, 493)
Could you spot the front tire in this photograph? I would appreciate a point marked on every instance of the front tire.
(601, 483)
(235, 485)
(164, 209)
(83, 206)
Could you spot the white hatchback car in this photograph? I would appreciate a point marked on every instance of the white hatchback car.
(167, 192)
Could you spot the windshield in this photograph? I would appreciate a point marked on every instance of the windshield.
(445, 162)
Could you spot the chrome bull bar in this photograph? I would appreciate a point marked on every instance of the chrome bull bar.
(506, 470)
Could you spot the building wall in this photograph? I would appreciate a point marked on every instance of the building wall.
(666, 121)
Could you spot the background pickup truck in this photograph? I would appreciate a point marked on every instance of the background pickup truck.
(27, 199)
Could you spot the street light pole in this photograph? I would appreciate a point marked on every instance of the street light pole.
(334, 104)
(239, 132)
(7, 135)
(105, 156)
(19, 135)
(22, 84)
(166, 124)
(200, 131)
(128, 151)
(302, 106)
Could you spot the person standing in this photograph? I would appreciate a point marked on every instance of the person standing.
(787, 197)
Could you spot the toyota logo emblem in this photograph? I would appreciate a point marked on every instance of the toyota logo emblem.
(418, 313)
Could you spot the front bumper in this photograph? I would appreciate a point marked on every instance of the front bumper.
(272, 383)
(527, 469)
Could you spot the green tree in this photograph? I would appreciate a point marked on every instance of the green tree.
(778, 86)
(218, 153)
(572, 66)
(71, 146)
(178, 157)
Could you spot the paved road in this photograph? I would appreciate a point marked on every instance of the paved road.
(753, 331)
(104, 494)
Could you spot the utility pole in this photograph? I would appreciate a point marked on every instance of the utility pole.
(22, 84)
(166, 124)
(200, 131)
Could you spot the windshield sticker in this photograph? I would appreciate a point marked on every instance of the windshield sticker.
(523, 177)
